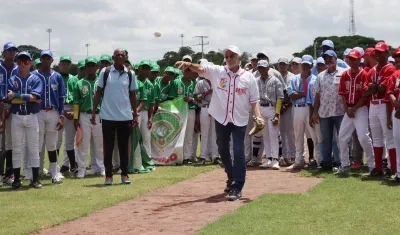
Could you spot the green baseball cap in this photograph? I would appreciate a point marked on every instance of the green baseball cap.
(136, 66)
(145, 62)
(155, 68)
(66, 58)
(169, 69)
(81, 64)
(91, 59)
(106, 57)
(178, 71)
(37, 62)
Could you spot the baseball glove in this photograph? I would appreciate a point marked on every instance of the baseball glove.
(258, 126)
(372, 89)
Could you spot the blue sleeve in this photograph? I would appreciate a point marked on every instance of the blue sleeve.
(314, 70)
(100, 81)
(309, 98)
(37, 87)
(61, 94)
(10, 86)
(291, 89)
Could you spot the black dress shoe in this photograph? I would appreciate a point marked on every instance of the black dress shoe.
(16, 184)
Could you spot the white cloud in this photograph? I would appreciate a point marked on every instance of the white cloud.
(277, 27)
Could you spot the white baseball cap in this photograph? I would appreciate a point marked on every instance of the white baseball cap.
(296, 60)
(253, 57)
(187, 57)
(283, 60)
(233, 49)
(263, 63)
(203, 61)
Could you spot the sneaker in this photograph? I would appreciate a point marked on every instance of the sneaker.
(56, 180)
(228, 186)
(355, 165)
(275, 164)
(388, 173)
(265, 165)
(16, 184)
(61, 176)
(295, 167)
(343, 171)
(119, 171)
(253, 163)
(375, 173)
(108, 181)
(217, 161)
(283, 162)
(234, 195)
(9, 180)
(103, 173)
(36, 184)
(64, 169)
(80, 174)
(125, 179)
(201, 162)
(187, 162)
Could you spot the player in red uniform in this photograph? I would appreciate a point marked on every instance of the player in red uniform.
(369, 59)
(380, 122)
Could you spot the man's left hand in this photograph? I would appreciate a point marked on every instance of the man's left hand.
(60, 123)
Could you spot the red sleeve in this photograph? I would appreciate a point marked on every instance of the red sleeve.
(342, 84)
(368, 79)
(392, 83)
(387, 74)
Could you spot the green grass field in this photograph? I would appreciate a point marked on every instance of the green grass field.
(336, 206)
(29, 210)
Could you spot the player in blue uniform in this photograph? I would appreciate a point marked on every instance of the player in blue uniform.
(51, 115)
(24, 92)
(7, 69)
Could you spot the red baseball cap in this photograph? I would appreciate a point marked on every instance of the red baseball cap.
(354, 54)
(396, 53)
(369, 51)
(381, 46)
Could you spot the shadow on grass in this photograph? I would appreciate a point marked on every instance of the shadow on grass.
(105, 186)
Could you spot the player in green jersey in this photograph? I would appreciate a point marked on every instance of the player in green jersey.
(81, 69)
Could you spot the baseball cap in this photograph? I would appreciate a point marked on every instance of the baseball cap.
(296, 60)
(169, 69)
(106, 57)
(145, 62)
(346, 52)
(330, 53)
(283, 60)
(203, 61)
(355, 54)
(263, 63)
(37, 62)
(391, 59)
(307, 59)
(381, 46)
(91, 59)
(233, 49)
(24, 54)
(369, 51)
(155, 68)
(46, 52)
(320, 60)
(360, 49)
(328, 43)
(187, 57)
(253, 57)
(396, 53)
(65, 58)
(9, 45)
(135, 66)
(178, 71)
(261, 54)
(81, 64)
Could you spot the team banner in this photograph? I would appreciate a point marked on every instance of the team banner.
(168, 132)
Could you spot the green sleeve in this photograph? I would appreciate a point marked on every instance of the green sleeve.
(142, 96)
(151, 94)
(191, 95)
(76, 93)
(173, 93)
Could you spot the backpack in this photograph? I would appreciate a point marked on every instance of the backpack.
(107, 73)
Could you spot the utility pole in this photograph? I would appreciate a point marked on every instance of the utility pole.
(182, 36)
(49, 31)
(202, 43)
(352, 22)
(87, 49)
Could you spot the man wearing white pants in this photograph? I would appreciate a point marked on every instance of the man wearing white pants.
(51, 115)
(25, 92)
(271, 94)
(297, 91)
(83, 104)
(202, 95)
(356, 116)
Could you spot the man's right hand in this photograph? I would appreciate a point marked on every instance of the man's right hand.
(76, 124)
(315, 117)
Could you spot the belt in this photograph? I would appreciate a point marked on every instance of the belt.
(90, 112)
(23, 113)
(47, 109)
(205, 106)
(267, 105)
(375, 102)
(299, 105)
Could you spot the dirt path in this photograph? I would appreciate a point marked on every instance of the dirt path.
(183, 208)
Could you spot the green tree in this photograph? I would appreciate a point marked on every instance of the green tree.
(34, 51)
(341, 44)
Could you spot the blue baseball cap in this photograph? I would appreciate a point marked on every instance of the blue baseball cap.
(46, 52)
(330, 53)
(346, 52)
(24, 54)
(320, 60)
(9, 45)
(360, 49)
(263, 63)
(307, 59)
(328, 43)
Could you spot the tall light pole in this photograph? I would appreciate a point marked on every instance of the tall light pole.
(87, 49)
(182, 36)
(49, 31)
